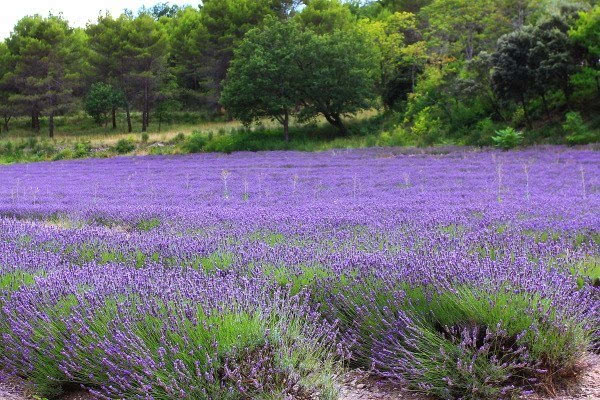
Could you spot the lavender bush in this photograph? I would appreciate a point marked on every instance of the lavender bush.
(461, 273)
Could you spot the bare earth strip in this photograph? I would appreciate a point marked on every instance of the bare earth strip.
(358, 385)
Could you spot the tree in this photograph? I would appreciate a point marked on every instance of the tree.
(48, 62)
(466, 26)
(101, 100)
(476, 83)
(412, 6)
(145, 52)
(264, 76)
(160, 10)
(586, 33)
(226, 23)
(551, 59)
(326, 16)
(106, 43)
(65, 70)
(400, 56)
(188, 59)
(337, 73)
(512, 76)
(519, 12)
(6, 108)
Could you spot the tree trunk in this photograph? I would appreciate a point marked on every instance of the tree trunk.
(51, 124)
(495, 105)
(145, 110)
(336, 120)
(286, 126)
(6, 121)
(525, 112)
(470, 47)
(545, 103)
(129, 129)
(35, 120)
(114, 117)
(567, 91)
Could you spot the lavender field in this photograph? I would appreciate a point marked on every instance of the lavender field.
(456, 273)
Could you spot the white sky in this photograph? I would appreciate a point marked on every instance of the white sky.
(77, 12)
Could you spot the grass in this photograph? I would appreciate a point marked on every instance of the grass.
(79, 138)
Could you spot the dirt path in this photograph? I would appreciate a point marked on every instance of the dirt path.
(359, 386)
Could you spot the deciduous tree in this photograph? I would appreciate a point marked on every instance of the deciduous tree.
(513, 77)
(586, 32)
(338, 73)
(264, 77)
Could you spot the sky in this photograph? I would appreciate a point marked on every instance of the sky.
(77, 12)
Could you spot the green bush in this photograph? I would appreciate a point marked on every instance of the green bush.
(397, 137)
(483, 133)
(223, 144)
(124, 146)
(82, 149)
(576, 130)
(145, 137)
(179, 138)
(467, 343)
(194, 143)
(64, 154)
(427, 128)
(507, 138)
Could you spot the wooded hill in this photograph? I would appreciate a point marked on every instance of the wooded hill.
(444, 70)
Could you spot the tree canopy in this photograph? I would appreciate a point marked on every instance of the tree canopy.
(445, 70)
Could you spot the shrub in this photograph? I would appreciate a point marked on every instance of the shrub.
(427, 128)
(507, 138)
(576, 130)
(255, 344)
(180, 137)
(483, 132)
(195, 143)
(82, 149)
(468, 342)
(145, 137)
(124, 146)
(397, 137)
(222, 143)
(64, 154)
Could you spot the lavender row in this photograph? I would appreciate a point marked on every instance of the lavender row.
(463, 274)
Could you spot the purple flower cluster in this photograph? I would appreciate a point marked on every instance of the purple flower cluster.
(462, 273)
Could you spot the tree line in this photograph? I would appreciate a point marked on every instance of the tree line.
(442, 67)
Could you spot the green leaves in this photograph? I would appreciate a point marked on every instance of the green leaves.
(100, 100)
(507, 138)
(280, 70)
